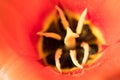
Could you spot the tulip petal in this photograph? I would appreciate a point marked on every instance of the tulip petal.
(18, 19)
(16, 29)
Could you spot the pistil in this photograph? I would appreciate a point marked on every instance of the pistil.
(69, 39)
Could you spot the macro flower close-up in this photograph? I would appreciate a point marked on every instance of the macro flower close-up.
(59, 40)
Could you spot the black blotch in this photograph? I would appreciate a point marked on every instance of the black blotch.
(93, 48)
(86, 34)
(65, 60)
(73, 24)
(52, 28)
(50, 44)
(50, 58)
(80, 54)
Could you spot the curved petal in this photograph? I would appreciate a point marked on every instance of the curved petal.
(17, 68)
(102, 13)
(17, 20)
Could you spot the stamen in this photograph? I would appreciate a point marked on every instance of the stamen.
(74, 59)
(86, 52)
(69, 39)
(80, 22)
(50, 34)
(57, 57)
(63, 18)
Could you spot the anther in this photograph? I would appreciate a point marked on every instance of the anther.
(58, 54)
(86, 52)
(63, 18)
(74, 59)
(50, 35)
(69, 39)
(80, 22)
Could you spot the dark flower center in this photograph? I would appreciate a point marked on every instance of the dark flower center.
(50, 45)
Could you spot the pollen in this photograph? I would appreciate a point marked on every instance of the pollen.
(67, 42)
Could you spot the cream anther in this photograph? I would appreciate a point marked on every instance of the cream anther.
(81, 21)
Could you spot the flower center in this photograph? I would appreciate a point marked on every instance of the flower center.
(68, 43)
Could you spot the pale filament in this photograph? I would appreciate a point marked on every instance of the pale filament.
(69, 39)
(73, 56)
(58, 54)
(50, 35)
(64, 21)
(86, 52)
(80, 22)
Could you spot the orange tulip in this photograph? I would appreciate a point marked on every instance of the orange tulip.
(21, 20)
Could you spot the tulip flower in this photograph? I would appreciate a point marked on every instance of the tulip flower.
(21, 20)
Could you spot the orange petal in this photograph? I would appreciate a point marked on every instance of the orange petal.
(17, 23)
